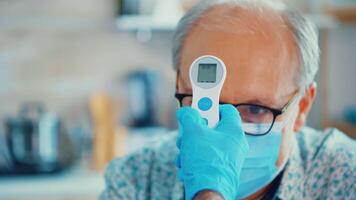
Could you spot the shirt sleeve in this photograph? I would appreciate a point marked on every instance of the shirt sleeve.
(127, 177)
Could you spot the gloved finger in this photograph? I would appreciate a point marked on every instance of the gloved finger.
(187, 114)
(229, 116)
(181, 175)
(188, 118)
(228, 111)
(179, 142)
(178, 162)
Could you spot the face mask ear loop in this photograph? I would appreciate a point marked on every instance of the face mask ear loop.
(289, 116)
(292, 147)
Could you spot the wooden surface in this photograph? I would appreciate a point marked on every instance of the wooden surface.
(349, 129)
(103, 121)
(345, 15)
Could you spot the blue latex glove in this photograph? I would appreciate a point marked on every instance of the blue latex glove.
(210, 159)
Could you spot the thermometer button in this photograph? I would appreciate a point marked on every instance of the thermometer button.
(205, 103)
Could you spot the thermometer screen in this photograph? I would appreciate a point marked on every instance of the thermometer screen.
(207, 73)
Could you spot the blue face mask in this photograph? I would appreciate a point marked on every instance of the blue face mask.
(259, 167)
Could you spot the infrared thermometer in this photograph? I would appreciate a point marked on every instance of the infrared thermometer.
(207, 76)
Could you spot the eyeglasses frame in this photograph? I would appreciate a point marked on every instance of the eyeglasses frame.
(275, 112)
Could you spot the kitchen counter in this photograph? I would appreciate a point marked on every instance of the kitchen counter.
(77, 183)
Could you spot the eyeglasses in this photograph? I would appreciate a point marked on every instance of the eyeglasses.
(260, 115)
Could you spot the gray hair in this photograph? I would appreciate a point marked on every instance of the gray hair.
(304, 32)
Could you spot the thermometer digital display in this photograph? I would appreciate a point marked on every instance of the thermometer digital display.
(207, 76)
(207, 73)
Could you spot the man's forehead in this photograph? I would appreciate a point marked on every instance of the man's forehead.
(240, 19)
(252, 29)
(244, 93)
(260, 54)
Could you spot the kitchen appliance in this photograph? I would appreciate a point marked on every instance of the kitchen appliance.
(143, 105)
(32, 138)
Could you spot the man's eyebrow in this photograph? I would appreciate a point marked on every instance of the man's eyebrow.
(259, 102)
(267, 103)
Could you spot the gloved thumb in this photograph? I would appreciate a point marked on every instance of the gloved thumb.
(187, 116)
(229, 116)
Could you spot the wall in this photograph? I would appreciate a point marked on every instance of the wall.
(59, 52)
(342, 70)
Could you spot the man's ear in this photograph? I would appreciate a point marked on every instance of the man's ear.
(305, 104)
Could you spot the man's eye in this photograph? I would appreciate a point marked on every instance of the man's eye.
(255, 114)
(256, 110)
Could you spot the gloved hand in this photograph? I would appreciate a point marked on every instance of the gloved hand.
(210, 159)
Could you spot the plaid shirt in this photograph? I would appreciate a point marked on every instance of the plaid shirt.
(322, 166)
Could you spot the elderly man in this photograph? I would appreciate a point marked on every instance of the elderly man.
(271, 55)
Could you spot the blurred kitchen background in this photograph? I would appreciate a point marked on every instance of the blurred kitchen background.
(84, 81)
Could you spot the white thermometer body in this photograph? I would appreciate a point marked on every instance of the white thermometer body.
(207, 75)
